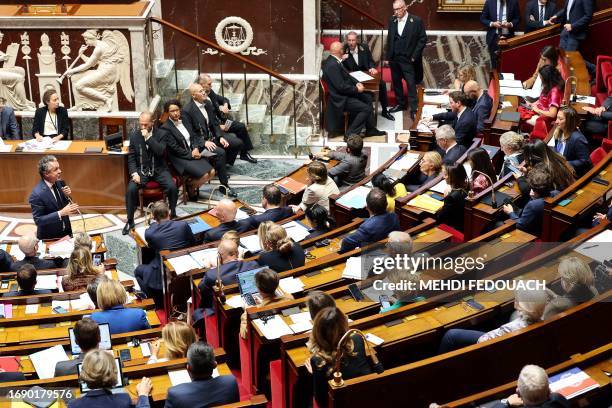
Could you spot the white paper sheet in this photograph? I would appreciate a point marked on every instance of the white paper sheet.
(355, 198)
(586, 99)
(179, 377)
(352, 269)
(62, 303)
(406, 162)
(16, 252)
(205, 257)
(295, 230)
(361, 76)
(598, 247)
(274, 328)
(300, 317)
(301, 327)
(241, 215)
(145, 349)
(235, 302)
(44, 361)
(5, 148)
(510, 83)
(31, 309)
(507, 76)
(182, 264)
(374, 339)
(251, 242)
(46, 282)
(430, 110)
(61, 145)
(84, 302)
(62, 248)
(291, 285)
(436, 99)
(440, 187)
(507, 91)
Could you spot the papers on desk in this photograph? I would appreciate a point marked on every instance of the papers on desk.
(510, 83)
(251, 243)
(423, 127)
(586, 99)
(140, 232)
(355, 198)
(507, 76)
(34, 145)
(296, 230)
(182, 264)
(235, 302)
(64, 304)
(82, 303)
(61, 145)
(572, 383)
(506, 104)
(6, 311)
(405, 162)
(440, 187)
(430, 110)
(46, 282)
(197, 225)
(31, 309)
(301, 327)
(205, 257)
(241, 215)
(44, 361)
(179, 377)
(468, 170)
(353, 268)
(273, 328)
(291, 285)
(300, 317)
(62, 248)
(16, 252)
(361, 76)
(436, 99)
(426, 203)
(598, 247)
(291, 185)
(507, 91)
(4, 148)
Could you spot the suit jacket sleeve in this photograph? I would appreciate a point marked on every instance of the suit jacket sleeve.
(583, 22)
(39, 121)
(341, 169)
(447, 116)
(190, 238)
(12, 125)
(532, 11)
(449, 209)
(62, 114)
(370, 62)
(144, 323)
(482, 116)
(527, 218)
(354, 240)
(606, 115)
(516, 16)
(176, 149)
(156, 143)
(485, 17)
(39, 214)
(221, 100)
(335, 75)
(132, 158)
(421, 42)
(581, 149)
(169, 399)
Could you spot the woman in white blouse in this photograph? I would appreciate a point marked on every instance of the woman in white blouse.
(320, 188)
(52, 119)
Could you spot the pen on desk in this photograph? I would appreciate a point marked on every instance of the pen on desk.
(591, 246)
(18, 361)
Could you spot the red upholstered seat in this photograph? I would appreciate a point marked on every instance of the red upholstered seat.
(598, 155)
(607, 144)
(327, 41)
(456, 235)
(540, 130)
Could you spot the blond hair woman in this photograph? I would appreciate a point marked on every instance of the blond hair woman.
(279, 251)
(177, 337)
(112, 298)
(81, 270)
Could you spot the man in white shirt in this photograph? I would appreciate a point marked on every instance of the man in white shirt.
(501, 18)
(538, 14)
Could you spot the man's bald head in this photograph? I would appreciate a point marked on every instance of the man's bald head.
(472, 89)
(226, 210)
(196, 91)
(28, 244)
(228, 250)
(335, 49)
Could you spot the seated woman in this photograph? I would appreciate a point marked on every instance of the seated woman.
(392, 190)
(177, 336)
(577, 282)
(550, 99)
(51, 120)
(530, 218)
(320, 188)
(561, 172)
(570, 142)
(185, 149)
(99, 372)
(329, 327)
(451, 213)
(528, 303)
(464, 73)
(80, 270)
(548, 56)
(430, 167)
(403, 294)
(481, 163)
(266, 281)
(279, 251)
(318, 300)
(511, 144)
(111, 299)
(319, 220)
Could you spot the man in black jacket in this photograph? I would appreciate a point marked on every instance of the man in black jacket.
(406, 40)
(346, 95)
(28, 244)
(221, 107)
(226, 213)
(574, 19)
(501, 18)
(461, 118)
(538, 14)
(146, 163)
(357, 57)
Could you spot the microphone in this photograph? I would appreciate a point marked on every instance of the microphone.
(218, 288)
(493, 200)
(572, 95)
(337, 380)
(60, 184)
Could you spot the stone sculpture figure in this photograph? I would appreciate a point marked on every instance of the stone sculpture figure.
(97, 88)
(12, 80)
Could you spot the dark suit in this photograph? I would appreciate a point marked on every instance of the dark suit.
(204, 393)
(9, 129)
(27, 292)
(6, 261)
(237, 128)
(148, 161)
(453, 154)
(405, 56)
(63, 123)
(350, 170)
(451, 213)
(530, 219)
(122, 319)
(102, 398)
(37, 263)
(576, 153)
(365, 62)
(167, 235)
(273, 214)
(465, 125)
(68, 367)
(490, 15)
(279, 262)
(599, 125)
(227, 272)
(344, 97)
(210, 129)
(580, 15)
(533, 18)
(371, 230)
(482, 110)
(215, 234)
(554, 401)
(45, 209)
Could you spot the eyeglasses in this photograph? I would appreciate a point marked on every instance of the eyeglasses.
(399, 8)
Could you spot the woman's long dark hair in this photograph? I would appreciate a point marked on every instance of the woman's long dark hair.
(551, 77)
(381, 181)
(319, 217)
(479, 158)
(457, 178)
(537, 152)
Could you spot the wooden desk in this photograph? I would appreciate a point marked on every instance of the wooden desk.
(422, 141)
(98, 180)
(301, 176)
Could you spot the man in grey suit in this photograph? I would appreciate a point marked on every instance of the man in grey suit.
(9, 129)
(87, 336)
(352, 166)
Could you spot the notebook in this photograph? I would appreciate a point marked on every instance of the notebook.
(291, 185)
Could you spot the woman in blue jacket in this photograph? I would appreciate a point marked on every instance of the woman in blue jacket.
(111, 299)
(570, 142)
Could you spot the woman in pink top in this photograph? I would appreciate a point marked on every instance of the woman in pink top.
(550, 99)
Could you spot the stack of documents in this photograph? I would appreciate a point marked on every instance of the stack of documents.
(62, 248)
(273, 328)
(44, 361)
(46, 282)
(296, 230)
(184, 263)
(355, 198)
(301, 322)
(361, 76)
(291, 285)
(251, 243)
(427, 203)
(353, 268)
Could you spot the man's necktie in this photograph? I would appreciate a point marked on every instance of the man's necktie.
(500, 14)
(541, 14)
(56, 195)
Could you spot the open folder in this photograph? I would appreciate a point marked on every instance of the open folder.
(426, 203)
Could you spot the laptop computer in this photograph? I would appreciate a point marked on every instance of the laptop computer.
(247, 286)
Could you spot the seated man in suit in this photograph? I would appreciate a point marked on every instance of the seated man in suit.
(351, 168)
(447, 144)
(203, 390)
(50, 203)
(146, 162)
(597, 122)
(229, 266)
(226, 213)
(221, 109)
(347, 95)
(28, 244)
(501, 18)
(530, 218)
(163, 234)
(9, 129)
(538, 14)
(461, 118)
(480, 102)
(26, 279)
(357, 57)
(87, 337)
(6, 261)
(270, 201)
(375, 228)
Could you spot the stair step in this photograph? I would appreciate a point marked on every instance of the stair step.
(281, 124)
(162, 68)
